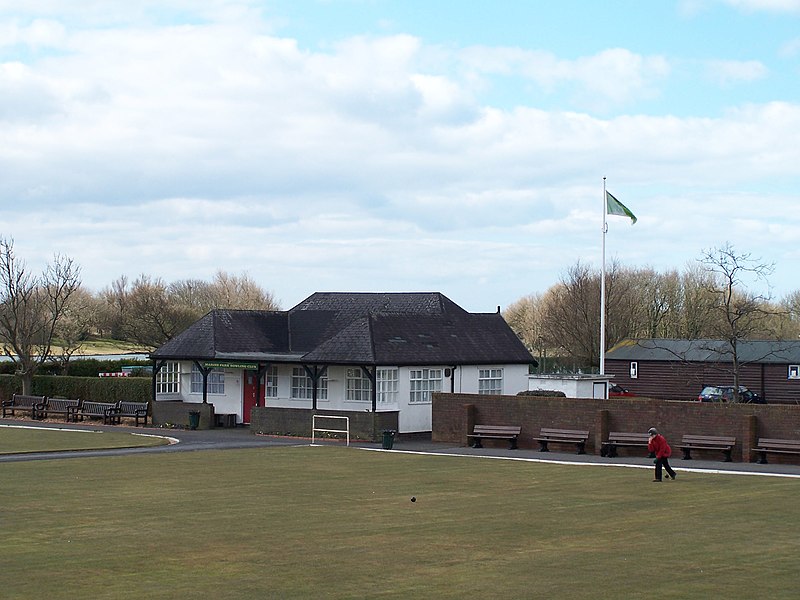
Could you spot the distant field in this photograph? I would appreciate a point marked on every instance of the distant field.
(104, 346)
(331, 522)
(109, 346)
(16, 440)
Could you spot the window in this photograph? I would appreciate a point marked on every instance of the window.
(271, 387)
(794, 371)
(387, 385)
(358, 387)
(302, 387)
(168, 380)
(216, 381)
(490, 381)
(634, 370)
(423, 383)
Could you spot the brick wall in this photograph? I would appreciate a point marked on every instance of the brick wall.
(177, 413)
(454, 415)
(297, 422)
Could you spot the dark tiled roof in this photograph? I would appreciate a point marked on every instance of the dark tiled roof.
(230, 331)
(354, 328)
(715, 351)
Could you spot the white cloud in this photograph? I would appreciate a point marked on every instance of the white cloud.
(728, 72)
(790, 49)
(373, 163)
(612, 77)
(778, 6)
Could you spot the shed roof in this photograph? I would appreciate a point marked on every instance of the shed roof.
(706, 350)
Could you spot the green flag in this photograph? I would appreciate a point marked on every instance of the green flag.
(615, 207)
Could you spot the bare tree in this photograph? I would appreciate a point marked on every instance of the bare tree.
(239, 292)
(741, 312)
(572, 314)
(75, 326)
(525, 317)
(31, 308)
(150, 316)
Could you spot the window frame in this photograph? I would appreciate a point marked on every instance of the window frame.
(388, 388)
(168, 379)
(271, 382)
(492, 376)
(423, 387)
(307, 385)
(357, 387)
(215, 381)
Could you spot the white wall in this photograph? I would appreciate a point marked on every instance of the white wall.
(574, 386)
(414, 417)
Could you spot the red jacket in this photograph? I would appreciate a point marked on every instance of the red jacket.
(659, 446)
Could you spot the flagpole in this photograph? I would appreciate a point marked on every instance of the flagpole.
(603, 290)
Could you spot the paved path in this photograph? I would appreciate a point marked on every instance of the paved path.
(241, 437)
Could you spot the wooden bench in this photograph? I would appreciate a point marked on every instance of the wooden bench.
(25, 404)
(775, 446)
(106, 410)
(707, 442)
(58, 406)
(133, 410)
(618, 439)
(497, 432)
(562, 436)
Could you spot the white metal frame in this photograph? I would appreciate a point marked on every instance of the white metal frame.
(315, 429)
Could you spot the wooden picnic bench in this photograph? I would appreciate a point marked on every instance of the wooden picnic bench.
(707, 442)
(497, 432)
(25, 404)
(104, 410)
(562, 436)
(618, 439)
(133, 410)
(58, 406)
(775, 446)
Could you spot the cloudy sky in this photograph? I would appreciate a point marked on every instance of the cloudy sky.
(403, 145)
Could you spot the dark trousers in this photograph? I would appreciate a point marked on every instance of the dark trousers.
(665, 463)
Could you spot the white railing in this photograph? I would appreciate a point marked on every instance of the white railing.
(315, 429)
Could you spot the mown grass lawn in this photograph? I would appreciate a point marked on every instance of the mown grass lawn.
(22, 439)
(331, 522)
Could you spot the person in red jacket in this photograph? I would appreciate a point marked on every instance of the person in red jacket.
(658, 445)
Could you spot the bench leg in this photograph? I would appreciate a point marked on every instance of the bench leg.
(612, 451)
(728, 457)
(763, 458)
(687, 454)
(581, 447)
(543, 446)
(513, 444)
(477, 443)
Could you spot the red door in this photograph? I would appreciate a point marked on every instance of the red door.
(250, 394)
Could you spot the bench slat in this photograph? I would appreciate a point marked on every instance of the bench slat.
(499, 432)
(776, 446)
(565, 436)
(623, 438)
(18, 402)
(724, 443)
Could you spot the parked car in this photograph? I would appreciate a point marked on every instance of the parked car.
(615, 390)
(724, 393)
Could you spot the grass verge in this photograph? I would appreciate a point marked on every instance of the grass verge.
(21, 439)
(333, 523)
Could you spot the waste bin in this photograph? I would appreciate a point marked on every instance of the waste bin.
(388, 439)
(194, 419)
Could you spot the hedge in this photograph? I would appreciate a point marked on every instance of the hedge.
(94, 389)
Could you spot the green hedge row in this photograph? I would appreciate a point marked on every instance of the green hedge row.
(94, 389)
(84, 367)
